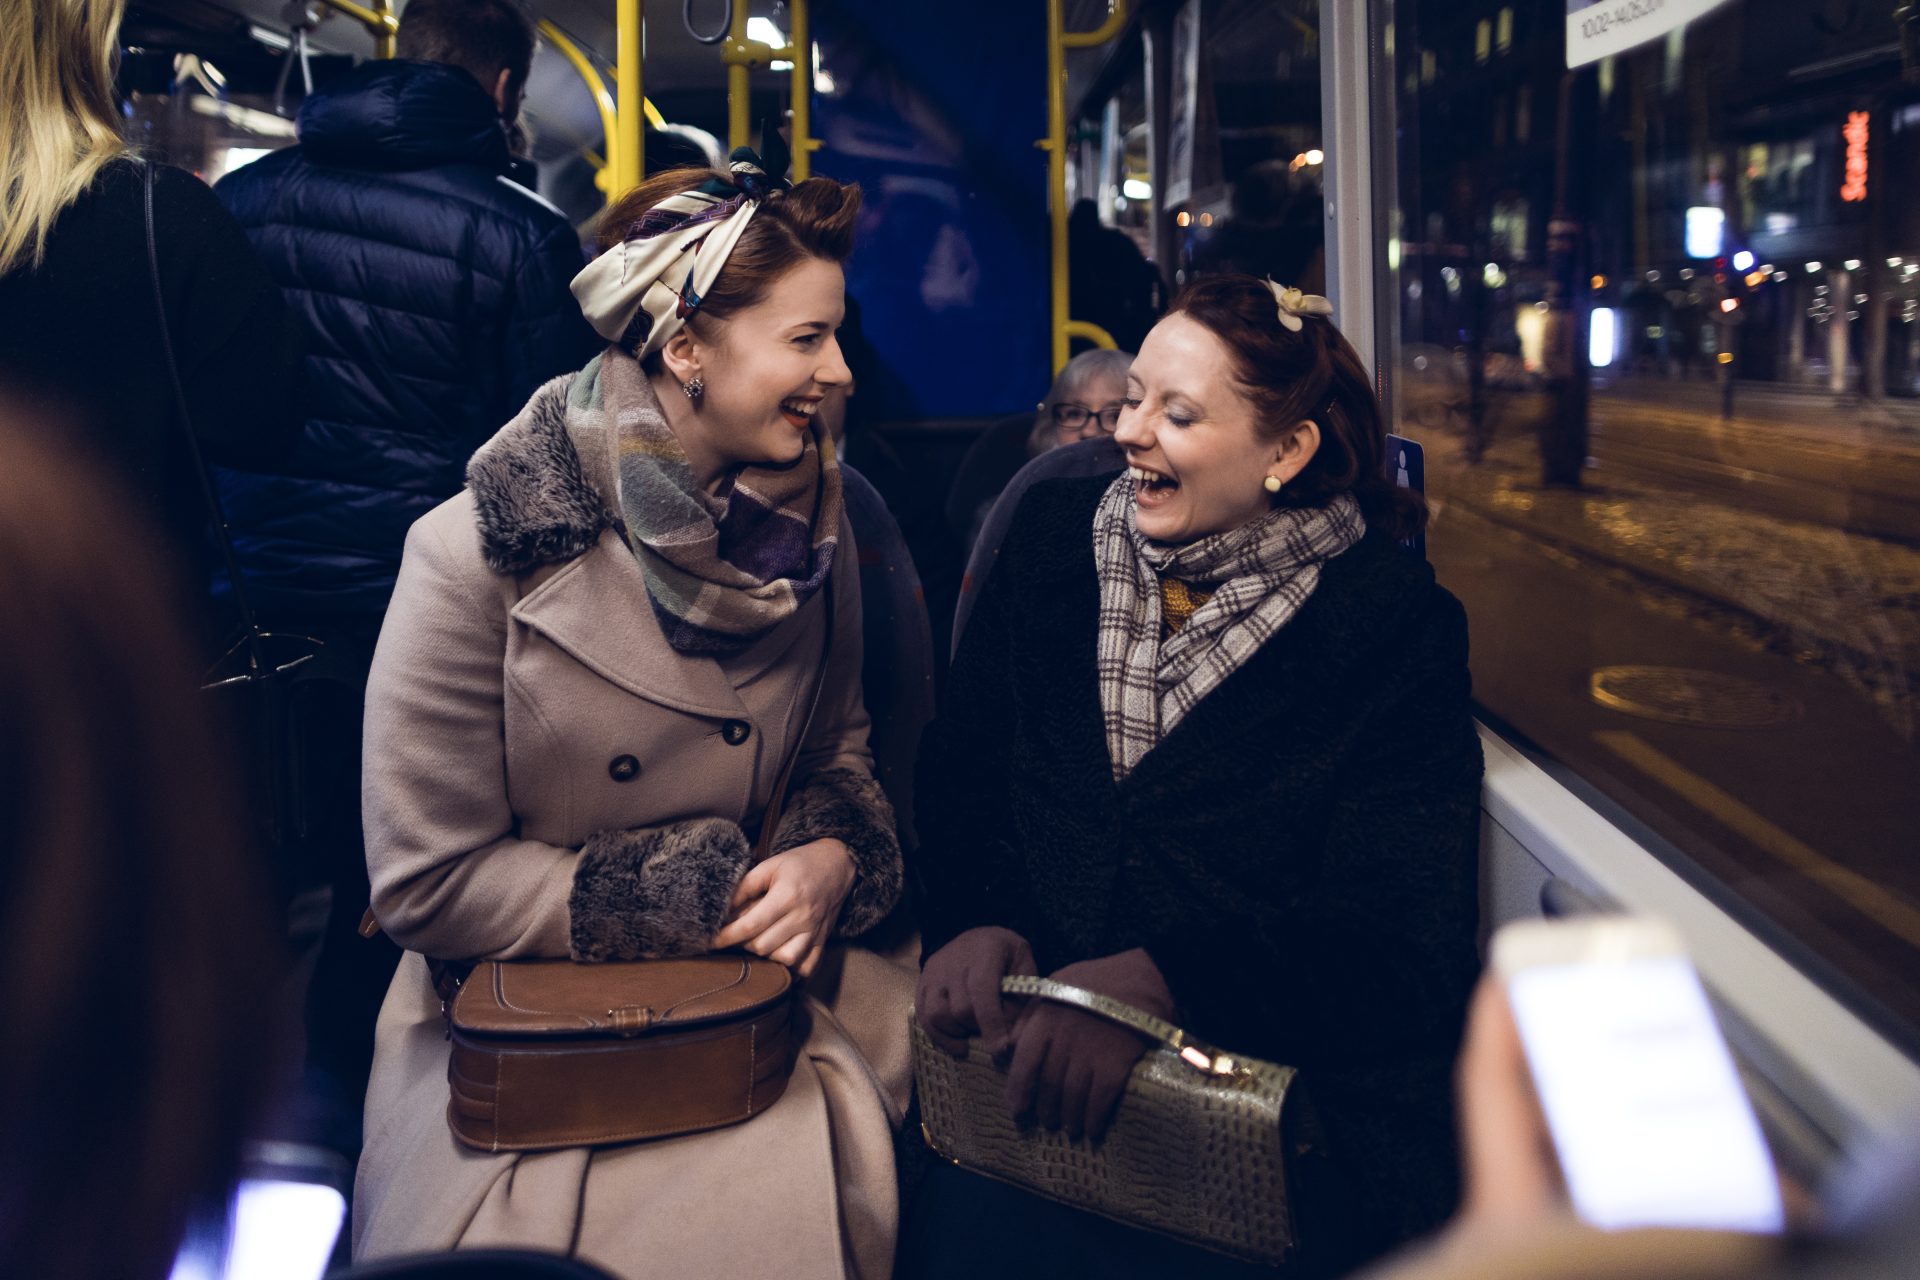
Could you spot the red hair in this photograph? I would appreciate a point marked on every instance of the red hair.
(1314, 374)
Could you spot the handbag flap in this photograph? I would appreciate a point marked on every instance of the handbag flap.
(618, 998)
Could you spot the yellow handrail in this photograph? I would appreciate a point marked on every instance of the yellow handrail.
(628, 17)
(1116, 19)
(1055, 145)
(741, 55)
(379, 19)
(1092, 333)
(602, 101)
(800, 47)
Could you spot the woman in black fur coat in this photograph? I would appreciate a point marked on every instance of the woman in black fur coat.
(1207, 748)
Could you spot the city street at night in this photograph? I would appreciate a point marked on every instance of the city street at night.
(1772, 654)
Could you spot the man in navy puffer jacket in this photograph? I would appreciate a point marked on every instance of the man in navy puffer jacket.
(433, 290)
(434, 294)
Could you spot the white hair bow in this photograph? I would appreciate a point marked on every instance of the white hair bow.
(1295, 304)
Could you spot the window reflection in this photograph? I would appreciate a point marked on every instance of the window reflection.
(1657, 330)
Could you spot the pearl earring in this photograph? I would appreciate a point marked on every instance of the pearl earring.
(694, 388)
(1271, 484)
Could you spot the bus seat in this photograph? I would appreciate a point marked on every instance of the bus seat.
(1098, 457)
(897, 677)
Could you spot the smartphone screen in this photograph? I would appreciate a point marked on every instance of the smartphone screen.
(1646, 1110)
(276, 1230)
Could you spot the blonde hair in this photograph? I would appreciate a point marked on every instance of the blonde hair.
(58, 122)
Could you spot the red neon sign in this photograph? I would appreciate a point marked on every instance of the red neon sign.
(1854, 189)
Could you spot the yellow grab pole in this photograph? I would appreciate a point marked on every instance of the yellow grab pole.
(1056, 148)
(628, 17)
(383, 39)
(379, 19)
(1116, 19)
(1055, 145)
(602, 100)
(1092, 333)
(800, 47)
(739, 56)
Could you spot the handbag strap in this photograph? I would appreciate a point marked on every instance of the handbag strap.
(253, 639)
(1195, 1053)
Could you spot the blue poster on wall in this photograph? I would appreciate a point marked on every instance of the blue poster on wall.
(933, 110)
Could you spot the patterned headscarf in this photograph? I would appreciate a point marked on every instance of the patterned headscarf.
(642, 292)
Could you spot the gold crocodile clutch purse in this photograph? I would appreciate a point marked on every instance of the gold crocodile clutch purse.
(1196, 1151)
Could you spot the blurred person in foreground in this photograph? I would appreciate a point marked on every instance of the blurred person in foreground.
(1516, 1222)
(433, 289)
(136, 957)
(79, 330)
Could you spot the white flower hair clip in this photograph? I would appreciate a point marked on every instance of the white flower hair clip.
(1295, 304)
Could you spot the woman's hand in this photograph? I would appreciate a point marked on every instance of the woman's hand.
(959, 992)
(1511, 1173)
(1070, 1067)
(785, 907)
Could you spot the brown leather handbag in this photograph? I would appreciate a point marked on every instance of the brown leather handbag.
(556, 1054)
(553, 1053)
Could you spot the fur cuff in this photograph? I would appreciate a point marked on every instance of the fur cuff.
(664, 891)
(844, 805)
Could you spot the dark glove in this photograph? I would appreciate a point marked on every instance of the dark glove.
(959, 993)
(1069, 1066)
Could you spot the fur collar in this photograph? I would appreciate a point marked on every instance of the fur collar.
(531, 496)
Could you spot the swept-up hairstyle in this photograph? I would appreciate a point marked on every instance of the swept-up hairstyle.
(1312, 374)
(58, 122)
(814, 219)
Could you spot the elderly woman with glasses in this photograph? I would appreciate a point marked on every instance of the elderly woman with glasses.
(1084, 401)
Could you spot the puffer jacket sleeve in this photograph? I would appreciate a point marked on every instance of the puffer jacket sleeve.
(546, 334)
(451, 876)
(834, 793)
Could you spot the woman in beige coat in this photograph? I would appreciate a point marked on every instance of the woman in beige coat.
(595, 666)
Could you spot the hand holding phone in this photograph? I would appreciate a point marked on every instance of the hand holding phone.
(1647, 1115)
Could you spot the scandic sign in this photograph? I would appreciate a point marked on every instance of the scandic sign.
(1601, 28)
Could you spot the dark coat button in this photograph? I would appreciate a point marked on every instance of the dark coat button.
(736, 732)
(624, 769)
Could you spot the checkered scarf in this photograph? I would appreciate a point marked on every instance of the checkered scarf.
(721, 572)
(1266, 571)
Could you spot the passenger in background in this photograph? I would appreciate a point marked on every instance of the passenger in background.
(1276, 228)
(598, 660)
(79, 329)
(434, 295)
(1109, 281)
(1207, 748)
(135, 941)
(1082, 404)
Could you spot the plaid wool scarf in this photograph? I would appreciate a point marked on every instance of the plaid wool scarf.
(721, 571)
(1266, 571)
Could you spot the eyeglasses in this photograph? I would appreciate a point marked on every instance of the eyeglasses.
(1073, 417)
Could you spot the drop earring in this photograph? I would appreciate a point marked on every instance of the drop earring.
(694, 388)
(1271, 484)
